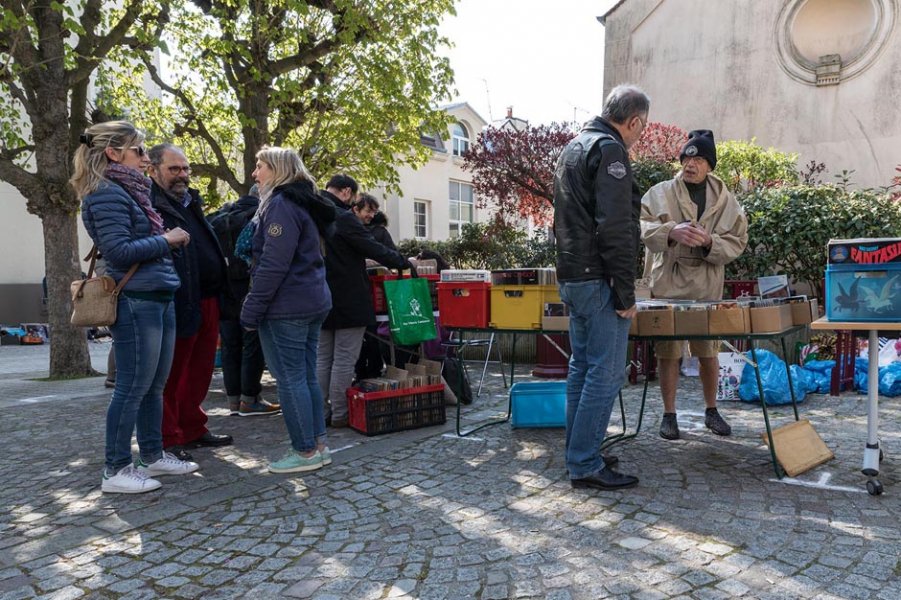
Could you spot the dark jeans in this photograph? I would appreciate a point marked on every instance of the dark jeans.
(242, 360)
(144, 342)
(370, 363)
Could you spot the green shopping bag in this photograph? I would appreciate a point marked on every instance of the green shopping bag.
(410, 311)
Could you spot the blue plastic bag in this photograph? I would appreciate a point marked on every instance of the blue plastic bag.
(889, 377)
(822, 372)
(774, 379)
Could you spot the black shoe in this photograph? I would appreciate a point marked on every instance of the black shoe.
(716, 423)
(606, 479)
(610, 460)
(211, 439)
(669, 427)
(180, 453)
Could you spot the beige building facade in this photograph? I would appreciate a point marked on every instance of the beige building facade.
(817, 77)
(437, 198)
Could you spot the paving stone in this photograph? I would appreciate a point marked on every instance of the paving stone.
(304, 589)
(418, 515)
(634, 543)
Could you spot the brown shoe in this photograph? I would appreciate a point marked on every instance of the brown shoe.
(340, 422)
(251, 407)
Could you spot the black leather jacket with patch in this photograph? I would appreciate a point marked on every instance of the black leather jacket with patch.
(596, 212)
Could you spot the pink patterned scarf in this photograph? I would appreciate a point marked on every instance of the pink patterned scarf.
(138, 187)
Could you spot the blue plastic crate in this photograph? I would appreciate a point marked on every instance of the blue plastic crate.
(863, 292)
(539, 404)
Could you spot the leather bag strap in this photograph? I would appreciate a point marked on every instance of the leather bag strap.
(93, 256)
(125, 279)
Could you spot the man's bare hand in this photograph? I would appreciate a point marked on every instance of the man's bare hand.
(629, 313)
(690, 235)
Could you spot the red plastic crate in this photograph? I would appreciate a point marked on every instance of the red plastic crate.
(464, 303)
(433, 279)
(374, 413)
(377, 288)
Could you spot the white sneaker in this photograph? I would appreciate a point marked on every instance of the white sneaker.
(128, 480)
(169, 464)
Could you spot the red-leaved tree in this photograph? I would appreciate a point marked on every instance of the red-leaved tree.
(514, 170)
(660, 143)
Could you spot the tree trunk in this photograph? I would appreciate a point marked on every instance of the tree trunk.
(69, 356)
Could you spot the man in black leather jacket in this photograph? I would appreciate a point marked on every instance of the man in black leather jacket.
(596, 225)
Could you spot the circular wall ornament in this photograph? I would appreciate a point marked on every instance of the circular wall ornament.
(822, 42)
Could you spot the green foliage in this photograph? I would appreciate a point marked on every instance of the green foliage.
(746, 165)
(349, 84)
(648, 172)
(788, 228)
(488, 246)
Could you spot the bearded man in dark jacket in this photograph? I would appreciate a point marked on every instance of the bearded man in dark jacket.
(348, 244)
(204, 286)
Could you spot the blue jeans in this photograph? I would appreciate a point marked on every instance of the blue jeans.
(242, 360)
(290, 349)
(144, 342)
(597, 370)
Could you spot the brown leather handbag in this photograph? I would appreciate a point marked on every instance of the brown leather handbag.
(94, 300)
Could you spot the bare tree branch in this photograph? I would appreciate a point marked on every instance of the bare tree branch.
(200, 129)
(17, 176)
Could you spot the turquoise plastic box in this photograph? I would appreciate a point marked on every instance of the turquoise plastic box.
(539, 404)
(863, 292)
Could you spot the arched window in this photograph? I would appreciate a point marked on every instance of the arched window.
(461, 139)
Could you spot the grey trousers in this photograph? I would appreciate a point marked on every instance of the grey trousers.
(338, 353)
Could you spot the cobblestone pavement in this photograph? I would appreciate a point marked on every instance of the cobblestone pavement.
(426, 515)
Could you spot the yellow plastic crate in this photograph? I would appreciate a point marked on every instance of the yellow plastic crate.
(520, 306)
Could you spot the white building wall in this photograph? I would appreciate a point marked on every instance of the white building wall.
(716, 65)
(430, 183)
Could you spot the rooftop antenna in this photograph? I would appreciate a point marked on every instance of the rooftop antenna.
(488, 96)
(575, 119)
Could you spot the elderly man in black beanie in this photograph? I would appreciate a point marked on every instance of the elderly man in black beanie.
(692, 227)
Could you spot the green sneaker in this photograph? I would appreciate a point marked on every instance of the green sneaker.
(293, 462)
(326, 456)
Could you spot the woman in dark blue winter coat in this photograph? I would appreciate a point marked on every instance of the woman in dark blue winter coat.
(289, 298)
(115, 207)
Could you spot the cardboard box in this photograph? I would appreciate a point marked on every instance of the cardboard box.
(864, 251)
(555, 323)
(633, 326)
(656, 322)
(729, 321)
(804, 312)
(798, 447)
(691, 322)
(771, 319)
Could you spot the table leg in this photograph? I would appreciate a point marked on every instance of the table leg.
(616, 438)
(460, 394)
(788, 370)
(872, 452)
(512, 361)
(766, 415)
